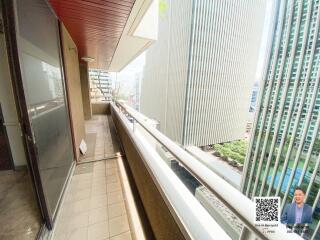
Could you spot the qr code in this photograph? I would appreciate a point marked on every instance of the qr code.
(267, 209)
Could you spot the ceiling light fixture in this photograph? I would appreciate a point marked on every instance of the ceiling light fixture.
(87, 59)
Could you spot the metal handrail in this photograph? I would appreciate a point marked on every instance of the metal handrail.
(240, 205)
(192, 218)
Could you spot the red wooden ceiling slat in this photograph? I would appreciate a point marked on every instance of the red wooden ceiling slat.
(98, 37)
(123, 2)
(96, 15)
(103, 3)
(95, 25)
(78, 4)
(82, 8)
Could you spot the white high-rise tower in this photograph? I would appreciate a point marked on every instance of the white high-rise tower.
(199, 75)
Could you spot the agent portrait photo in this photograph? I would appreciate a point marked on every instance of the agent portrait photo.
(297, 212)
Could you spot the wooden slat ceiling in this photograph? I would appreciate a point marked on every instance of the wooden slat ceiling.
(95, 25)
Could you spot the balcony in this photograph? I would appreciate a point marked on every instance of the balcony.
(132, 182)
(125, 190)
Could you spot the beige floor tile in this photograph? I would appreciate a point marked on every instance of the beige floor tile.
(66, 210)
(97, 175)
(112, 176)
(77, 186)
(99, 164)
(84, 176)
(99, 179)
(59, 236)
(60, 232)
(113, 187)
(72, 222)
(80, 181)
(98, 215)
(77, 221)
(118, 225)
(99, 191)
(100, 144)
(99, 185)
(84, 168)
(78, 234)
(114, 197)
(113, 179)
(99, 167)
(78, 195)
(88, 200)
(99, 156)
(68, 198)
(98, 231)
(76, 207)
(116, 210)
(111, 164)
(122, 236)
(98, 201)
(111, 171)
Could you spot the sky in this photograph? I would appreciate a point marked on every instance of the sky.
(127, 77)
(266, 38)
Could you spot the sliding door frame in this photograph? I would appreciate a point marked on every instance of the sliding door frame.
(22, 109)
(10, 28)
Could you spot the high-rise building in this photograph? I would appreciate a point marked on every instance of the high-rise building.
(199, 74)
(137, 90)
(254, 96)
(285, 144)
(100, 85)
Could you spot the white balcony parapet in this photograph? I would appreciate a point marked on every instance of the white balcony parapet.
(198, 226)
(194, 221)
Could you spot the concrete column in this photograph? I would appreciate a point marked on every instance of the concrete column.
(85, 89)
(73, 83)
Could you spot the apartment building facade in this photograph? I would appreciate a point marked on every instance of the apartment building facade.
(100, 85)
(199, 75)
(284, 149)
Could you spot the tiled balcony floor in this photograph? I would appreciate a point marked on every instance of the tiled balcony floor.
(101, 139)
(94, 206)
(19, 214)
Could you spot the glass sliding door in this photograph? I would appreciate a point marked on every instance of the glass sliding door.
(43, 83)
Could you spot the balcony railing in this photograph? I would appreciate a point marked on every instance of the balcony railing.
(194, 221)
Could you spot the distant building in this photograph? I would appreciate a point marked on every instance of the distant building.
(100, 85)
(134, 99)
(254, 96)
(252, 109)
(285, 144)
(199, 74)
